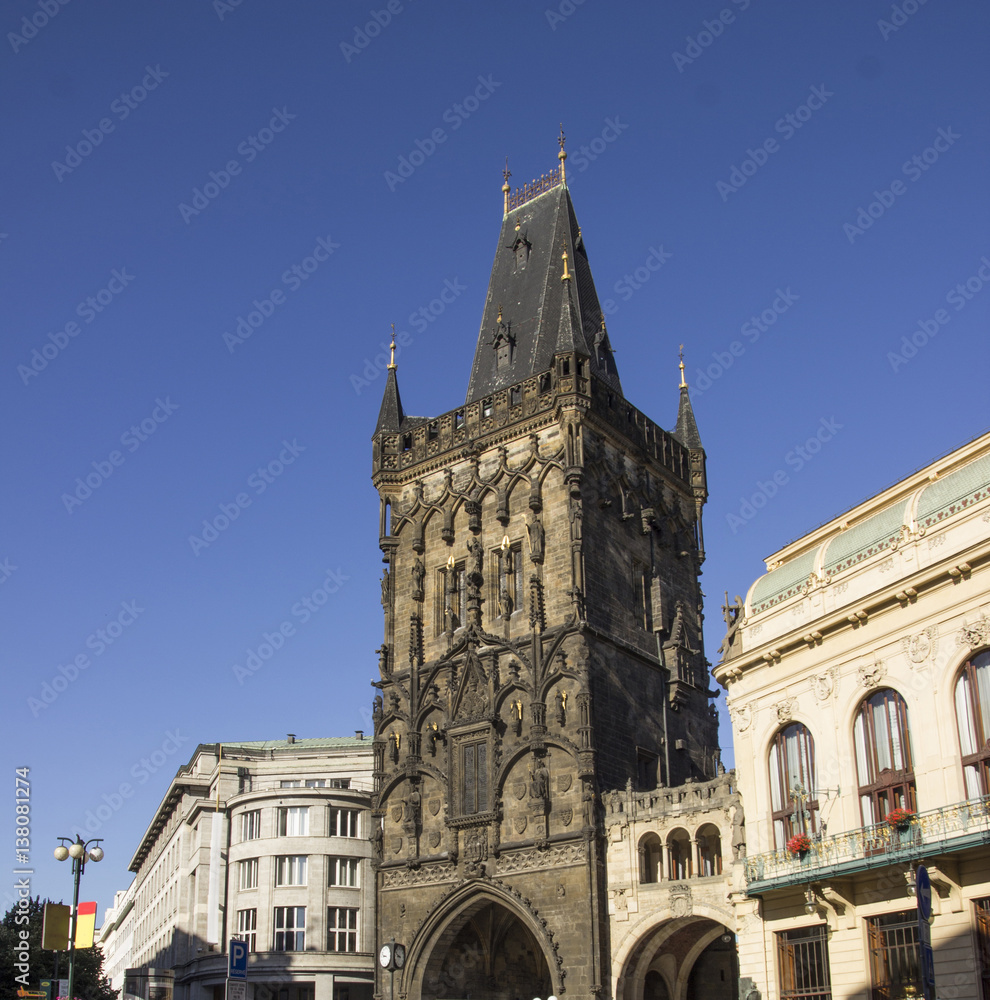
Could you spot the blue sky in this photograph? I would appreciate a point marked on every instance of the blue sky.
(171, 168)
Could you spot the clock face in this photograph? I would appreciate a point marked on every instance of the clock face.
(400, 956)
(385, 956)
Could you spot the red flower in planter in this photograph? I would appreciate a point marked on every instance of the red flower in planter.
(800, 843)
(900, 817)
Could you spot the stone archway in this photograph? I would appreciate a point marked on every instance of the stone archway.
(681, 958)
(486, 952)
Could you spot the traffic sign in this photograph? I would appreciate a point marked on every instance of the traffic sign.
(237, 959)
(236, 989)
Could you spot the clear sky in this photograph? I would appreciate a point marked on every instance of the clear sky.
(167, 168)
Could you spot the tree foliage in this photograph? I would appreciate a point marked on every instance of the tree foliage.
(90, 983)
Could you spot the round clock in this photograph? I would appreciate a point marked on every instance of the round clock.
(385, 956)
(400, 955)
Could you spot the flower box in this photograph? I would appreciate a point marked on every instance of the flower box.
(799, 844)
(899, 818)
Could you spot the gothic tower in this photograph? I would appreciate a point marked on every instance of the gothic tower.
(542, 546)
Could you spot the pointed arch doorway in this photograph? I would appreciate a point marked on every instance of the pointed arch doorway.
(486, 952)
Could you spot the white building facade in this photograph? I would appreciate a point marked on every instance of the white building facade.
(266, 842)
(858, 680)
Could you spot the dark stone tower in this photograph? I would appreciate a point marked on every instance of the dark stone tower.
(543, 647)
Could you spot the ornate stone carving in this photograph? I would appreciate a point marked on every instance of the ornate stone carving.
(871, 674)
(918, 648)
(975, 634)
(785, 708)
(530, 858)
(428, 874)
(742, 716)
(681, 904)
(823, 684)
(536, 540)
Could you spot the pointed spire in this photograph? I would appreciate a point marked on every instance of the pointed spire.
(562, 155)
(506, 174)
(687, 428)
(390, 416)
(570, 336)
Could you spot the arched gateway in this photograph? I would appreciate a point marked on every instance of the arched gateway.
(481, 949)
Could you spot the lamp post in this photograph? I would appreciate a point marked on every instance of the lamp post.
(79, 852)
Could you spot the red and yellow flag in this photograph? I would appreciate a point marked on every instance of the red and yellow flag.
(85, 925)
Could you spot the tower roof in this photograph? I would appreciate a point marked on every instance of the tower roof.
(686, 430)
(390, 416)
(525, 305)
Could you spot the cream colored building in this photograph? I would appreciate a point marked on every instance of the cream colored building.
(858, 679)
(671, 870)
(268, 843)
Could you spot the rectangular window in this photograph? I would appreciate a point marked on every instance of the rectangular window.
(293, 821)
(802, 957)
(341, 928)
(248, 874)
(251, 825)
(344, 823)
(247, 928)
(642, 598)
(316, 782)
(290, 783)
(895, 958)
(290, 928)
(474, 778)
(244, 783)
(343, 872)
(339, 783)
(290, 869)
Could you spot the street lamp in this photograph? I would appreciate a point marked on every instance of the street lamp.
(79, 852)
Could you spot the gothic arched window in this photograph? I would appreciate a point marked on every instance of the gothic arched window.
(973, 719)
(650, 849)
(793, 783)
(883, 756)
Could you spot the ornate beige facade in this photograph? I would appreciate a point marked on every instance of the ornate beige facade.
(858, 679)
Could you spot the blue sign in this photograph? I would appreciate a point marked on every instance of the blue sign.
(924, 890)
(237, 959)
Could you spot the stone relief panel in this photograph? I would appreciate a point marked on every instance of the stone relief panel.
(871, 672)
(921, 647)
(824, 685)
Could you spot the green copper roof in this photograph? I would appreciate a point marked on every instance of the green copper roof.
(865, 539)
(953, 493)
(783, 582)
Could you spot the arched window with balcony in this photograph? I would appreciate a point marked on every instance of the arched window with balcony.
(679, 854)
(709, 850)
(884, 761)
(973, 719)
(793, 783)
(650, 854)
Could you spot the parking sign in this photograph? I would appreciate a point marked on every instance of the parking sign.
(237, 959)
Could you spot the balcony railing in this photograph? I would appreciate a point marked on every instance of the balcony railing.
(938, 831)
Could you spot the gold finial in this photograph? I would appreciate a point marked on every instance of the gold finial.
(566, 276)
(392, 365)
(681, 355)
(506, 174)
(562, 155)
(499, 320)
